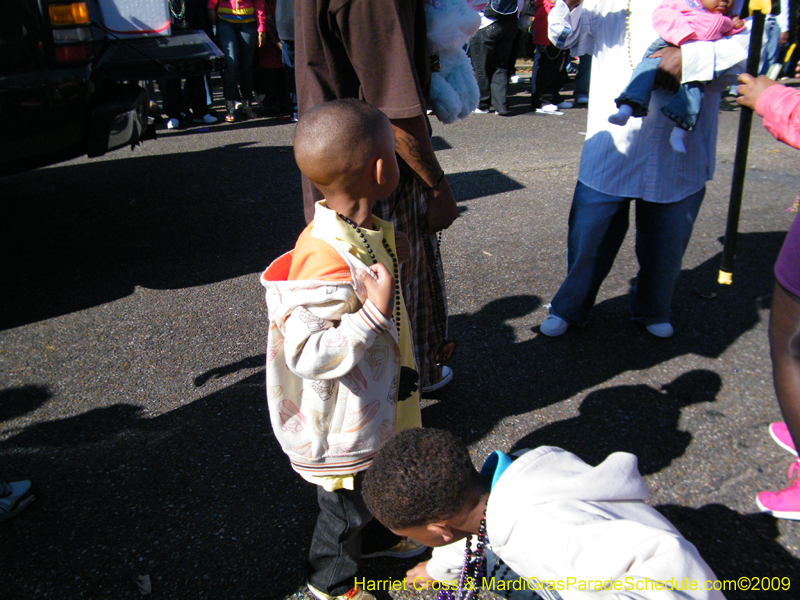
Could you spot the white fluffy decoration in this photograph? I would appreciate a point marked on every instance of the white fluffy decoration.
(454, 90)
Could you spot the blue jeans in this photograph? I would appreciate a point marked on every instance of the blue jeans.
(287, 58)
(345, 529)
(584, 75)
(770, 44)
(238, 43)
(514, 586)
(683, 108)
(597, 226)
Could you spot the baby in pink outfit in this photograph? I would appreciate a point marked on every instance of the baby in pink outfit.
(676, 22)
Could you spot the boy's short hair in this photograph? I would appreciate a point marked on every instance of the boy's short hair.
(420, 476)
(337, 137)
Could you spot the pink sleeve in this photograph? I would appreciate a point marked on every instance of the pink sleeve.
(261, 15)
(676, 23)
(780, 107)
(672, 25)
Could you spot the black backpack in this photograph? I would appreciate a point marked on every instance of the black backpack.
(501, 9)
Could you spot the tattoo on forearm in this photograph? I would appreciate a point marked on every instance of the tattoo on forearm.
(415, 153)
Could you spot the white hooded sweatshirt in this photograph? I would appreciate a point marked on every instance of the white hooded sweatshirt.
(584, 532)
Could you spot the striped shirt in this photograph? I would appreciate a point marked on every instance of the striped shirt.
(636, 160)
(240, 11)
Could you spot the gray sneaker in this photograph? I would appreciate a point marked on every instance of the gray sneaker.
(14, 497)
(553, 326)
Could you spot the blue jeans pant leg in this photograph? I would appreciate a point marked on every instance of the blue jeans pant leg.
(640, 86)
(534, 71)
(248, 39)
(770, 44)
(662, 235)
(336, 544)
(238, 43)
(597, 226)
(513, 587)
(287, 58)
(584, 75)
(226, 40)
(685, 106)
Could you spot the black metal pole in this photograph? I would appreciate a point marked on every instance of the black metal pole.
(740, 161)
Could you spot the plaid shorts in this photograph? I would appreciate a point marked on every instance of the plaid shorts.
(422, 277)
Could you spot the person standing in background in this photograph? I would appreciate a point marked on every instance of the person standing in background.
(241, 24)
(776, 35)
(489, 51)
(284, 17)
(634, 163)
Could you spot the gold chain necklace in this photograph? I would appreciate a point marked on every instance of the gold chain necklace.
(628, 32)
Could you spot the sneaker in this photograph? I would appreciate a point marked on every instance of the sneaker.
(784, 504)
(564, 104)
(14, 497)
(354, 594)
(553, 326)
(173, 124)
(447, 377)
(662, 330)
(780, 433)
(482, 111)
(248, 110)
(405, 548)
(208, 119)
(582, 99)
(505, 113)
(549, 109)
(513, 79)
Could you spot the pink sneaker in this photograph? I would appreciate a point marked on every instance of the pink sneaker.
(786, 503)
(780, 433)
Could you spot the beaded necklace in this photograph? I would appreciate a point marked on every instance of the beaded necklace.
(628, 32)
(177, 8)
(473, 571)
(397, 301)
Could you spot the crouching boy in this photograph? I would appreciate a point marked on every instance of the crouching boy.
(547, 524)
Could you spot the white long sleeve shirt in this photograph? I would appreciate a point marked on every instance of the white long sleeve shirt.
(783, 18)
(636, 160)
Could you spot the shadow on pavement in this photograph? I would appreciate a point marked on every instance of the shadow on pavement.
(738, 546)
(611, 421)
(201, 499)
(82, 235)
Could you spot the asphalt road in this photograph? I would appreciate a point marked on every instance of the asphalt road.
(132, 340)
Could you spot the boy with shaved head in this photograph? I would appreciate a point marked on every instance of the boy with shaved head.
(341, 376)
